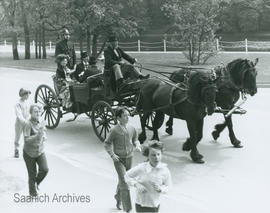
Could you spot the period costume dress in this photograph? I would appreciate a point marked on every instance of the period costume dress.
(63, 81)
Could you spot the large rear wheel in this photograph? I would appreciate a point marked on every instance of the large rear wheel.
(103, 119)
(50, 112)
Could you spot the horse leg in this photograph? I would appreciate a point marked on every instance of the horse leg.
(235, 142)
(193, 131)
(218, 129)
(142, 135)
(158, 116)
(200, 133)
(169, 125)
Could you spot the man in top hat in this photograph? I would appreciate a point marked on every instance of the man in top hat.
(113, 61)
(66, 47)
(86, 68)
(22, 115)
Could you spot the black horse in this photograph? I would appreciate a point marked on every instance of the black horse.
(190, 103)
(239, 76)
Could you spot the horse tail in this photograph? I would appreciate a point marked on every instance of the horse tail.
(139, 102)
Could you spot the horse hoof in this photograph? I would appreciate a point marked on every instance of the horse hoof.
(186, 146)
(199, 161)
(238, 145)
(215, 135)
(141, 138)
(169, 131)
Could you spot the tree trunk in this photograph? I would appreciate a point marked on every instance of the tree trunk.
(44, 54)
(88, 41)
(94, 46)
(39, 42)
(36, 43)
(102, 48)
(15, 46)
(26, 32)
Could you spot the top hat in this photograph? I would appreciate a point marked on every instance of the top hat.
(84, 54)
(23, 92)
(92, 60)
(112, 39)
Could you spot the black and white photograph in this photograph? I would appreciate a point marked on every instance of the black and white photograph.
(135, 106)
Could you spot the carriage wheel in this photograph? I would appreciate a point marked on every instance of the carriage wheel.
(102, 119)
(150, 120)
(51, 112)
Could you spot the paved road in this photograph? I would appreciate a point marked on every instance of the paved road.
(231, 180)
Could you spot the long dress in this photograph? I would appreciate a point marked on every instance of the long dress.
(63, 81)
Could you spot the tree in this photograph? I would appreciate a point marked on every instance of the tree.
(194, 23)
(10, 9)
(23, 10)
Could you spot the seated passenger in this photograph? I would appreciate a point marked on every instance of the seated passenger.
(81, 67)
(63, 80)
(92, 69)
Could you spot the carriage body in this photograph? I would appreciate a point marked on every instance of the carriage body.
(98, 102)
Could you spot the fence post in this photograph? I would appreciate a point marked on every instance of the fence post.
(19, 43)
(50, 43)
(164, 45)
(33, 43)
(246, 45)
(217, 44)
(139, 46)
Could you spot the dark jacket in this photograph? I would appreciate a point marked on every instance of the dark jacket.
(80, 68)
(111, 58)
(91, 70)
(67, 48)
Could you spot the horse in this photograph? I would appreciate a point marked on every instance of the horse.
(190, 103)
(239, 76)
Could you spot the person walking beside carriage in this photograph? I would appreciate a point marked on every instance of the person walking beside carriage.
(113, 61)
(33, 150)
(22, 114)
(119, 145)
(151, 178)
(63, 80)
(66, 47)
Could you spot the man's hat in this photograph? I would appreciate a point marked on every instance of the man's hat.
(60, 58)
(65, 31)
(23, 92)
(112, 39)
(84, 54)
(92, 60)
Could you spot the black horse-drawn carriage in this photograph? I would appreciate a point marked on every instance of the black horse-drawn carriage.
(98, 102)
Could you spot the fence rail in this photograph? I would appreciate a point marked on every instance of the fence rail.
(167, 46)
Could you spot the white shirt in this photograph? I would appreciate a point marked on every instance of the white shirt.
(145, 174)
(22, 112)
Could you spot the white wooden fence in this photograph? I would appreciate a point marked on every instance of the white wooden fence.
(169, 46)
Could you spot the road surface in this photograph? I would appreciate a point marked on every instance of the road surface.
(231, 180)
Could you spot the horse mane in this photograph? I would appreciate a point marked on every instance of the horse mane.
(194, 83)
(236, 68)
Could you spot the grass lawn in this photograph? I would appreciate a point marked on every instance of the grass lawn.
(148, 60)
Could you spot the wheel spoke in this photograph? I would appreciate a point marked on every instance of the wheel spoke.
(44, 97)
(50, 115)
(101, 130)
(41, 99)
(53, 115)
